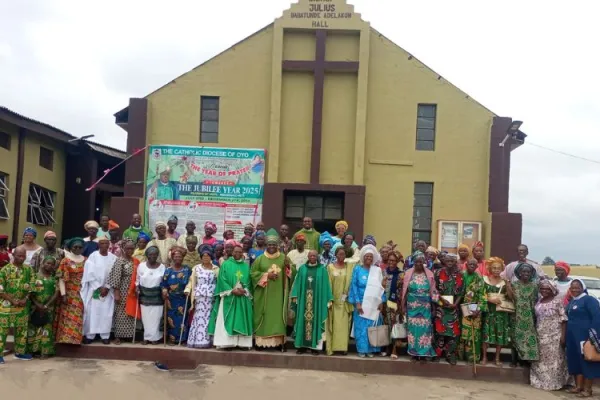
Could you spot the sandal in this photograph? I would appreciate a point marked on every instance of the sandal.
(584, 393)
(394, 357)
(498, 363)
(574, 390)
(117, 341)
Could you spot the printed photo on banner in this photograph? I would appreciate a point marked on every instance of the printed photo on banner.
(222, 185)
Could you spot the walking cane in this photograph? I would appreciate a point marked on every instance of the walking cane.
(137, 306)
(183, 320)
(165, 323)
(473, 350)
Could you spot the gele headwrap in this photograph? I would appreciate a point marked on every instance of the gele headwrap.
(211, 225)
(563, 265)
(342, 223)
(90, 225)
(31, 231)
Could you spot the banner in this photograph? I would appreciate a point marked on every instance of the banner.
(202, 184)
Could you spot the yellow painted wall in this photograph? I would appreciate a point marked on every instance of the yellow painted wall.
(299, 45)
(339, 129)
(341, 46)
(8, 165)
(296, 127)
(459, 165)
(240, 76)
(52, 180)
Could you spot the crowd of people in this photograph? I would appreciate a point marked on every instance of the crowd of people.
(197, 290)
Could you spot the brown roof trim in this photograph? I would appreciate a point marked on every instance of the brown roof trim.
(32, 125)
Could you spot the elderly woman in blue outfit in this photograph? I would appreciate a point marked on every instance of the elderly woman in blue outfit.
(583, 313)
(367, 282)
(326, 245)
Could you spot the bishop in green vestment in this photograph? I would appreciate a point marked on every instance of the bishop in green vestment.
(311, 297)
(311, 236)
(272, 277)
(231, 317)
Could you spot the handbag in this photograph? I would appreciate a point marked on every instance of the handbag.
(506, 305)
(590, 353)
(379, 336)
(399, 331)
(467, 309)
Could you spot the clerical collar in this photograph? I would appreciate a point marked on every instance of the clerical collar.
(139, 228)
(312, 265)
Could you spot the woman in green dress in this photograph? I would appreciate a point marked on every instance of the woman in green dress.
(340, 313)
(40, 338)
(524, 293)
(470, 338)
(496, 324)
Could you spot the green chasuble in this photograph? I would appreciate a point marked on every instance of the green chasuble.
(271, 301)
(237, 310)
(133, 233)
(312, 238)
(311, 295)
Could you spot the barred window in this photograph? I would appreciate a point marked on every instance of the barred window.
(40, 206)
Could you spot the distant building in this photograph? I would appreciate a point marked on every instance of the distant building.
(356, 128)
(46, 177)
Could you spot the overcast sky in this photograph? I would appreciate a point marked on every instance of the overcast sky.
(73, 64)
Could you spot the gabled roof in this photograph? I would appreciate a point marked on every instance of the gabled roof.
(52, 132)
(122, 116)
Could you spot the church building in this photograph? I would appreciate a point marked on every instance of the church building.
(355, 128)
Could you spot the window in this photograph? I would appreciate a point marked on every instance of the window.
(46, 158)
(3, 196)
(40, 206)
(5, 140)
(317, 207)
(422, 206)
(209, 119)
(426, 126)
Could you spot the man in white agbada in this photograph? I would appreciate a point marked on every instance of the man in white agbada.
(98, 298)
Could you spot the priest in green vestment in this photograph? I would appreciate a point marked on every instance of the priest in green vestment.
(231, 317)
(310, 234)
(311, 297)
(272, 277)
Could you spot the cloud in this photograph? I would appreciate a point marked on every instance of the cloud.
(73, 64)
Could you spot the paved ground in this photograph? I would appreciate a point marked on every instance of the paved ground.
(65, 379)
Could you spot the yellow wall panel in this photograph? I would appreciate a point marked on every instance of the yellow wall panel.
(296, 127)
(241, 77)
(459, 165)
(339, 129)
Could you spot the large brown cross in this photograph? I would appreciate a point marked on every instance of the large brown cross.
(319, 66)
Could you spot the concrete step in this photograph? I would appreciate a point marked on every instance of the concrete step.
(179, 357)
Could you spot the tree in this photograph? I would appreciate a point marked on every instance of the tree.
(548, 261)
